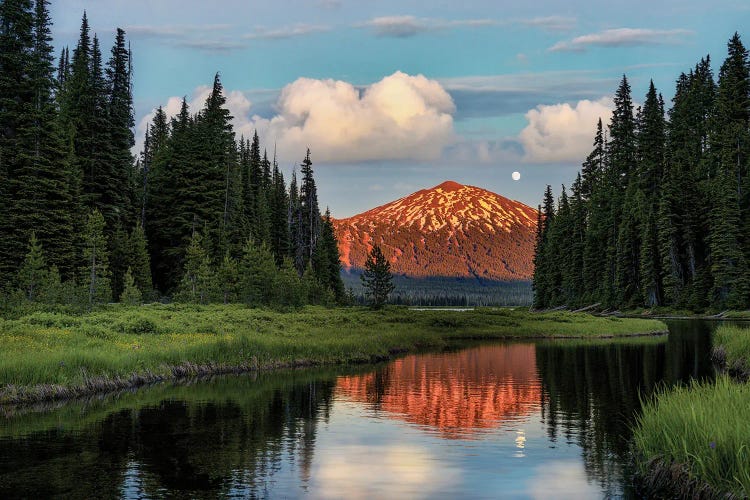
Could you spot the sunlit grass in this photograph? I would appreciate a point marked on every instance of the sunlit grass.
(704, 427)
(117, 341)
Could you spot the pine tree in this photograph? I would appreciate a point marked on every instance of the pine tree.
(729, 268)
(205, 183)
(593, 167)
(119, 260)
(120, 122)
(279, 212)
(288, 290)
(731, 147)
(578, 218)
(257, 274)
(131, 295)
(139, 262)
(621, 261)
(326, 263)
(33, 272)
(197, 285)
(543, 282)
(170, 220)
(96, 275)
(157, 135)
(296, 228)
(377, 278)
(651, 156)
(309, 217)
(228, 278)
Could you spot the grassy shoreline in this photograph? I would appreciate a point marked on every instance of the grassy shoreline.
(694, 441)
(48, 356)
(732, 351)
(670, 313)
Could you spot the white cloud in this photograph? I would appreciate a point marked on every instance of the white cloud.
(561, 132)
(621, 37)
(399, 117)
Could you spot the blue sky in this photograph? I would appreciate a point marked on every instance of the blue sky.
(396, 96)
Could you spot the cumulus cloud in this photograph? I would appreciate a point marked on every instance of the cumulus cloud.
(399, 117)
(408, 26)
(621, 37)
(561, 132)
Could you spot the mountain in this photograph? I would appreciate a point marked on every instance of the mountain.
(450, 230)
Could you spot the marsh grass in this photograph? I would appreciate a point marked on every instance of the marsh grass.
(694, 441)
(732, 351)
(53, 355)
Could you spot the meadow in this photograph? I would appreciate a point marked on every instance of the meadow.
(54, 355)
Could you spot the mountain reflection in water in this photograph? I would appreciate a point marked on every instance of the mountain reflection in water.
(453, 393)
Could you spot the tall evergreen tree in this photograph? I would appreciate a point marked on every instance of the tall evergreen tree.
(651, 155)
(309, 213)
(279, 212)
(326, 262)
(730, 248)
(120, 121)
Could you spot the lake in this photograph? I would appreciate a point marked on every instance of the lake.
(511, 420)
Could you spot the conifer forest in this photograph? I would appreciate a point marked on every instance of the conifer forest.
(200, 215)
(659, 214)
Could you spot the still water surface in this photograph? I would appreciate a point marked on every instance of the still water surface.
(513, 420)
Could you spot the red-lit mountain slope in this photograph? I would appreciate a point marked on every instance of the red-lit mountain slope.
(449, 230)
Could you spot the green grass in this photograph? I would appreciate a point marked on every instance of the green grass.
(703, 428)
(72, 350)
(732, 349)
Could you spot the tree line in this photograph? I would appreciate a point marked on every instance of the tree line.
(659, 214)
(198, 215)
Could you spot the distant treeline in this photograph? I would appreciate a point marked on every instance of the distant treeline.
(660, 212)
(198, 214)
(447, 291)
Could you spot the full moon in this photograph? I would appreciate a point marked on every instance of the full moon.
(516, 176)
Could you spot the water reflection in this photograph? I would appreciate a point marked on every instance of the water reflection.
(515, 420)
(453, 393)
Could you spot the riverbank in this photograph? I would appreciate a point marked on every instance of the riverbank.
(694, 441)
(732, 351)
(49, 356)
(671, 313)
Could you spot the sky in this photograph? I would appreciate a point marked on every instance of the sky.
(396, 96)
